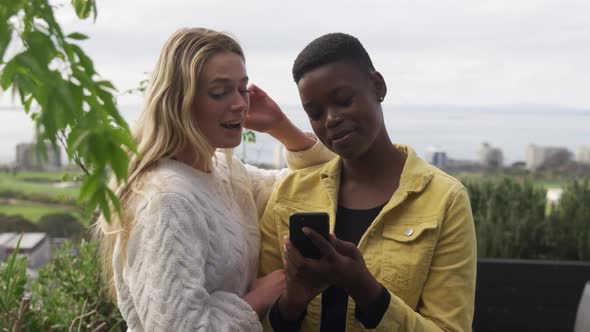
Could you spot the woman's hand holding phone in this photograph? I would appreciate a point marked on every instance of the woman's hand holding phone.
(302, 287)
(341, 264)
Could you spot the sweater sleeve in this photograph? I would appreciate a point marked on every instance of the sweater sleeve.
(263, 181)
(166, 255)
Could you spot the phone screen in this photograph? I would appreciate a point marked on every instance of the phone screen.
(318, 221)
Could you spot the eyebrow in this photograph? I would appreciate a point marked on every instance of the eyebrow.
(331, 94)
(226, 80)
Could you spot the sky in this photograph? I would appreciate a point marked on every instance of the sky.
(435, 52)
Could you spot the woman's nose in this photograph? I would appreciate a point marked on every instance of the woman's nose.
(332, 118)
(241, 101)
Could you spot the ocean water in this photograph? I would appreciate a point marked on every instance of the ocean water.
(461, 131)
(457, 130)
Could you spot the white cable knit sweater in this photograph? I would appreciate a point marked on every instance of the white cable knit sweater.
(193, 250)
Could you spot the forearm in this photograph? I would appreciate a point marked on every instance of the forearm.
(400, 317)
(289, 318)
(371, 301)
(290, 309)
(290, 136)
(365, 292)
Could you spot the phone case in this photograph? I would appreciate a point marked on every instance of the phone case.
(318, 221)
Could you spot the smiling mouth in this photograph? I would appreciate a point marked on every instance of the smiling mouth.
(341, 137)
(231, 125)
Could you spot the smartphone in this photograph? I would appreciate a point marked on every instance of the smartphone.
(318, 221)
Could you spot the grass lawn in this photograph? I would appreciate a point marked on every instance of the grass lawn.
(39, 183)
(35, 188)
(35, 212)
(48, 176)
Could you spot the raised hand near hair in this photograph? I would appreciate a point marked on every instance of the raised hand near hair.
(265, 291)
(264, 114)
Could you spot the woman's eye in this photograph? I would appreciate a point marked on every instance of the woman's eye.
(243, 91)
(314, 116)
(217, 94)
(344, 102)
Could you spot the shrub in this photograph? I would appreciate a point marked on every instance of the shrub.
(61, 225)
(511, 221)
(68, 293)
(569, 223)
(16, 224)
(13, 278)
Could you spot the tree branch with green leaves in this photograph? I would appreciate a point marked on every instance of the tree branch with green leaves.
(59, 88)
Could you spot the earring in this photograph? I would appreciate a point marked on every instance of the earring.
(381, 99)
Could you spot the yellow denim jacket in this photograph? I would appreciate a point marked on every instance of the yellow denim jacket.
(421, 246)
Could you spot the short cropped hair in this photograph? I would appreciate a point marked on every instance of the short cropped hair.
(328, 49)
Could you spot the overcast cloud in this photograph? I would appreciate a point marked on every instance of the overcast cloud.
(460, 52)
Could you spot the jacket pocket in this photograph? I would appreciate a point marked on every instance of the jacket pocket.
(406, 254)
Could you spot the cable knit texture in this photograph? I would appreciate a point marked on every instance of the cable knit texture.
(193, 250)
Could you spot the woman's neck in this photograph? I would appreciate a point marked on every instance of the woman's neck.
(382, 162)
(189, 157)
(373, 178)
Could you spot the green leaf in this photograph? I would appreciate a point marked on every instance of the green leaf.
(78, 138)
(84, 8)
(99, 153)
(249, 136)
(27, 104)
(5, 37)
(106, 84)
(103, 204)
(115, 201)
(123, 137)
(77, 36)
(7, 74)
(84, 61)
(88, 187)
(119, 162)
(41, 47)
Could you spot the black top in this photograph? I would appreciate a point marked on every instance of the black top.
(350, 226)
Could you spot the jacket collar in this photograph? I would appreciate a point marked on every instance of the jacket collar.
(415, 175)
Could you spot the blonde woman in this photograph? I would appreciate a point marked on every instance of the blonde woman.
(184, 255)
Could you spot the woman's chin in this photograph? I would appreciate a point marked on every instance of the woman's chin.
(229, 143)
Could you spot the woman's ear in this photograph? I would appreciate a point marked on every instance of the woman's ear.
(379, 85)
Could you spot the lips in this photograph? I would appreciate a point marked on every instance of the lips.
(232, 124)
(340, 135)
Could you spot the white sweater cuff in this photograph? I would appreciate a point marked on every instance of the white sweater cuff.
(317, 154)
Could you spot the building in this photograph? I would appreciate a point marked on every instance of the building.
(490, 157)
(583, 155)
(27, 157)
(549, 157)
(463, 165)
(36, 246)
(437, 157)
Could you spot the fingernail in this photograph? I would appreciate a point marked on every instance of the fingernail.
(305, 230)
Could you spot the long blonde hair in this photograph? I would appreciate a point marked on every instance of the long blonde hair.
(165, 127)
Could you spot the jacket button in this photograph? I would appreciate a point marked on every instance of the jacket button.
(409, 231)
